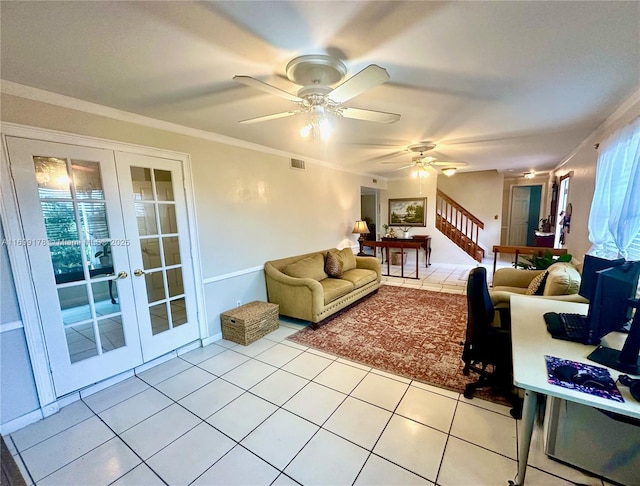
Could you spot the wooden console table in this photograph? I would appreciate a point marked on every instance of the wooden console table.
(425, 244)
(400, 243)
(523, 250)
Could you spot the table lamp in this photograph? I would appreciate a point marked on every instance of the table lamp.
(360, 228)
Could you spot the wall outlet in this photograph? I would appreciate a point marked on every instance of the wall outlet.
(238, 303)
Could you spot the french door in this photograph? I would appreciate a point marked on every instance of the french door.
(107, 238)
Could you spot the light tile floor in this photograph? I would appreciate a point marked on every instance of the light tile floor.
(277, 413)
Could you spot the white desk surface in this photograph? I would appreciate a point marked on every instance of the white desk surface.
(531, 342)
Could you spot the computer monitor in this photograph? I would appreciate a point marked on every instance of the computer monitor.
(610, 310)
(590, 268)
(628, 359)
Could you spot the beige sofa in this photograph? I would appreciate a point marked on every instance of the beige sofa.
(303, 290)
(562, 283)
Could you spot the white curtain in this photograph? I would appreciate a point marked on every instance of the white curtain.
(614, 220)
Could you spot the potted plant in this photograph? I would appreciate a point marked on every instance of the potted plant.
(105, 254)
(543, 262)
(405, 231)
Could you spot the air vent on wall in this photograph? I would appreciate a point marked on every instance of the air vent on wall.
(297, 164)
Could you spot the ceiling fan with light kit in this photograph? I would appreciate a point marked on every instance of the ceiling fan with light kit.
(422, 163)
(316, 74)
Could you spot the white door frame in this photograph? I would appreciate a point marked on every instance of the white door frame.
(18, 258)
(543, 199)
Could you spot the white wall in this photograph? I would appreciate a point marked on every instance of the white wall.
(17, 387)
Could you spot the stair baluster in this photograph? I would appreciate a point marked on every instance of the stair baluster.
(459, 225)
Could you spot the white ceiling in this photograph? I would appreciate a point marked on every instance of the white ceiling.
(512, 86)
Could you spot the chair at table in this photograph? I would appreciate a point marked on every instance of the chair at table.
(487, 348)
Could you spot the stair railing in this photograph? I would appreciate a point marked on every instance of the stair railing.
(459, 225)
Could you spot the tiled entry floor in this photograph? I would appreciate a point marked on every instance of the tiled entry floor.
(277, 413)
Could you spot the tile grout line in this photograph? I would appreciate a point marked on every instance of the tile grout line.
(393, 412)
(256, 358)
(321, 427)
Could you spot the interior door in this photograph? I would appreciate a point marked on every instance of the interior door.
(156, 223)
(69, 205)
(519, 223)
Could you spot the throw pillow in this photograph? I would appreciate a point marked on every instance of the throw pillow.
(348, 259)
(308, 267)
(563, 279)
(536, 287)
(333, 265)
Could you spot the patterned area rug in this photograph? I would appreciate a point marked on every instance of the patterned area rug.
(409, 332)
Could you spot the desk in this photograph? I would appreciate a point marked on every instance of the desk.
(530, 342)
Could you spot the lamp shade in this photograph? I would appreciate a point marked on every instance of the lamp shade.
(360, 228)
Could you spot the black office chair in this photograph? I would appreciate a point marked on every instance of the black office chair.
(487, 349)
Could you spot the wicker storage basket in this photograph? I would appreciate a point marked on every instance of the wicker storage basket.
(249, 322)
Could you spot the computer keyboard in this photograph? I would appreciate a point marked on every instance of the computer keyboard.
(575, 325)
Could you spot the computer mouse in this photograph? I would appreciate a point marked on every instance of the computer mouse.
(585, 378)
(565, 373)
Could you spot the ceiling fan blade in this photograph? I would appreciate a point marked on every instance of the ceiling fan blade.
(271, 117)
(256, 83)
(369, 115)
(425, 159)
(369, 77)
(396, 162)
(404, 167)
(385, 157)
(448, 164)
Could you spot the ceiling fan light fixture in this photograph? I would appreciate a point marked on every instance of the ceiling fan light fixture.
(319, 127)
(449, 171)
(306, 130)
(420, 172)
(324, 127)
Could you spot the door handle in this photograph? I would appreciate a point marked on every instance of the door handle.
(121, 275)
(138, 272)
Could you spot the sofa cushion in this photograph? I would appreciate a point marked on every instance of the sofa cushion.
(563, 279)
(334, 288)
(333, 265)
(536, 287)
(360, 277)
(308, 267)
(348, 259)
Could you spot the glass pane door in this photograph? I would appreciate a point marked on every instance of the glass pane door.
(69, 200)
(156, 219)
(75, 218)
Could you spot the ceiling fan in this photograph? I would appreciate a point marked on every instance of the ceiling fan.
(316, 74)
(422, 163)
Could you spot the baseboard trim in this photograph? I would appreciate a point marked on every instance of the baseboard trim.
(211, 339)
(20, 422)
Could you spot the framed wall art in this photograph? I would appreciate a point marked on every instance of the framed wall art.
(408, 211)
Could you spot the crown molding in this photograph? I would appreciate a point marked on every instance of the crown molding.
(63, 101)
(626, 106)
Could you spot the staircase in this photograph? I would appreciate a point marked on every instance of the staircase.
(459, 225)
